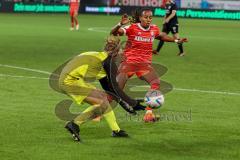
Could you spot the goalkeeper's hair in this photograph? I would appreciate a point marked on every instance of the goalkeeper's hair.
(137, 13)
(113, 39)
(112, 44)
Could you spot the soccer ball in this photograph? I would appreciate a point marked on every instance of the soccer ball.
(154, 99)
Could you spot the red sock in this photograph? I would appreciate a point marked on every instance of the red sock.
(155, 86)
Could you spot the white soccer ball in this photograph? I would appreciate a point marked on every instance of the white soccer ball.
(154, 99)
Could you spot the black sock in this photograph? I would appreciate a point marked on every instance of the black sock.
(180, 46)
(160, 44)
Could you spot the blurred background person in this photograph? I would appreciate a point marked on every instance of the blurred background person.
(74, 6)
(170, 24)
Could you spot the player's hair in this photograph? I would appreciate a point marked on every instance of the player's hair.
(137, 13)
(112, 44)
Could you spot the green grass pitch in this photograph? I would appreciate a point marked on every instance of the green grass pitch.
(206, 87)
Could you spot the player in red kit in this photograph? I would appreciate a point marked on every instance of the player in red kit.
(137, 56)
(74, 6)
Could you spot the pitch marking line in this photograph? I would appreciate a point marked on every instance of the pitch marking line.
(48, 73)
(99, 29)
(206, 91)
(26, 69)
(25, 77)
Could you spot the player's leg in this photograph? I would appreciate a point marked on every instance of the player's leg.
(79, 92)
(108, 113)
(72, 19)
(153, 80)
(100, 107)
(151, 77)
(122, 78)
(125, 71)
(96, 99)
(76, 19)
(88, 114)
(175, 33)
(160, 43)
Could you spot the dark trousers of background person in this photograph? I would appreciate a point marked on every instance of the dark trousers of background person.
(174, 30)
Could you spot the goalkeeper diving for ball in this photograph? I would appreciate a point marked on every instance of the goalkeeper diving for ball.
(86, 67)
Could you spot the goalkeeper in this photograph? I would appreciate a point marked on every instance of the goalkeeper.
(90, 66)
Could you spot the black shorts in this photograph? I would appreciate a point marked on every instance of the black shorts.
(173, 28)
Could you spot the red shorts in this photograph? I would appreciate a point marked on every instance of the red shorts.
(140, 69)
(73, 10)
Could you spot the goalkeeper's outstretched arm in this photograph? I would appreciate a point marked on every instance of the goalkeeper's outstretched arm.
(110, 85)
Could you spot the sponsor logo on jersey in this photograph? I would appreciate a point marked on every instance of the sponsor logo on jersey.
(143, 39)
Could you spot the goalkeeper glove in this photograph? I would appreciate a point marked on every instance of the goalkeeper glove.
(127, 107)
(140, 105)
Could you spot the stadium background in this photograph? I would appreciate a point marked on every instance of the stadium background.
(215, 9)
(200, 119)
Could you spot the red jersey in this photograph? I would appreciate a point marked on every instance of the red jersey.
(74, 4)
(139, 44)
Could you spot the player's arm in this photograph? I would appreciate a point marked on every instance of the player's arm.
(118, 94)
(164, 18)
(167, 19)
(110, 91)
(164, 37)
(117, 30)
